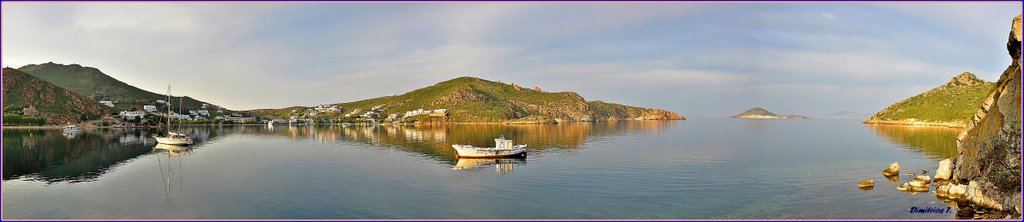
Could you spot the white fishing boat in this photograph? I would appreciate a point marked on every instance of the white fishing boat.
(173, 138)
(70, 128)
(502, 148)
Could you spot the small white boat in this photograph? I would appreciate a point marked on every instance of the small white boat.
(502, 148)
(71, 128)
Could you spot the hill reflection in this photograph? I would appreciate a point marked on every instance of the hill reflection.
(935, 142)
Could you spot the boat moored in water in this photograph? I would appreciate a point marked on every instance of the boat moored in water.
(502, 148)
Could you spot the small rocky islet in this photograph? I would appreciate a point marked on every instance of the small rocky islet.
(761, 113)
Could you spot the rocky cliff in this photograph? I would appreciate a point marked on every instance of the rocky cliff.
(989, 148)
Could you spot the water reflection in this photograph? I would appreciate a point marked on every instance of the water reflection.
(51, 155)
(435, 140)
(935, 142)
(169, 158)
(501, 165)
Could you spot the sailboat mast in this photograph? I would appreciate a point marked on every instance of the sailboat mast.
(181, 105)
(168, 108)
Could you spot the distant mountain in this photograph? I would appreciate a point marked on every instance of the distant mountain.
(761, 113)
(471, 99)
(952, 104)
(54, 103)
(95, 84)
(846, 115)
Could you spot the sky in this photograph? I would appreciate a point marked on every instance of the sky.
(696, 59)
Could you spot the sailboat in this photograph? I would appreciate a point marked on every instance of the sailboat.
(173, 138)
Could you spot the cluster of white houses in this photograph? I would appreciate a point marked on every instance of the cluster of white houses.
(200, 114)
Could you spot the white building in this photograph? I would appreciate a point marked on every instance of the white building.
(132, 114)
(108, 103)
(180, 116)
(149, 108)
(203, 112)
(161, 101)
(326, 108)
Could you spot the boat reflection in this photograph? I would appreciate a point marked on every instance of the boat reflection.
(170, 168)
(501, 165)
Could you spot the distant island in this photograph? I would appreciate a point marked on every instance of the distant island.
(472, 100)
(761, 113)
(952, 104)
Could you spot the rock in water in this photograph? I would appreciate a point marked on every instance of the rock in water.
(918, 186)
(866, 184)
(923, 180)
(989, 148)
(893, 170)
(945, 171)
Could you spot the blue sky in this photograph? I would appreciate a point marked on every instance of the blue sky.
(697, 59)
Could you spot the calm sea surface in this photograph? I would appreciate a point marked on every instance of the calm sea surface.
(697, 168)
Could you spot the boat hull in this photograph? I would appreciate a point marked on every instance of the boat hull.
(173, 141)
(466, 151)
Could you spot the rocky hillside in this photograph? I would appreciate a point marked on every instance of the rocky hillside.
(988, 159)
(951, 104)
(98, 86)
(54, 103)
(471, 99)
(611, 112)
(761, 113)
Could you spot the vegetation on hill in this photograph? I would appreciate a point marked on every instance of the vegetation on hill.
(99, 86)
(952, 104)
(471, 99)
(54, 103)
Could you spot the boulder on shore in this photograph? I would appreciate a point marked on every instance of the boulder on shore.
(945, 171)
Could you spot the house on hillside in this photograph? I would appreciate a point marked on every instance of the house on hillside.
(148, 108)
(132, 114)
(107, 103)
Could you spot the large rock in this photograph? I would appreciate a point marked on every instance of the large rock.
(989, 148)
(945, 171)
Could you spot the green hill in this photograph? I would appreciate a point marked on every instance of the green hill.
(54, 103)
(761, 113)
(952, 104)
(99, 86)
(470, 99)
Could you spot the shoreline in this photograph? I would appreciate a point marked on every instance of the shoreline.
(339, 124)
(914, 123)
